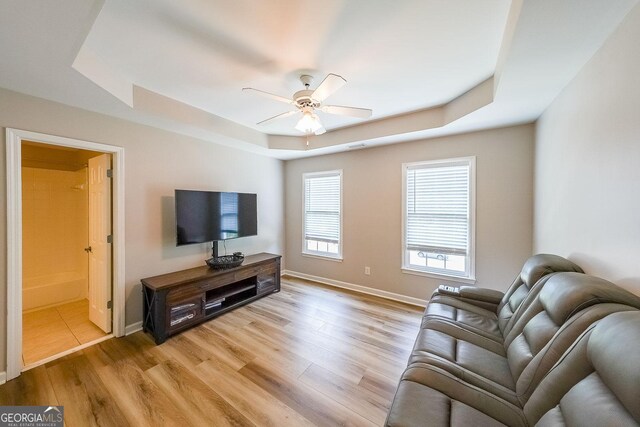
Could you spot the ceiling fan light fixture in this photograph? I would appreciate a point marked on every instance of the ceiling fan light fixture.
(307, 101)
(310, 123)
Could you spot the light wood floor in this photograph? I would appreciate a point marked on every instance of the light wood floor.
(309, 355)
(55, 330)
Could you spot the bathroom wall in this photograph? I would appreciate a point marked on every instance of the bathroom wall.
(55, 222)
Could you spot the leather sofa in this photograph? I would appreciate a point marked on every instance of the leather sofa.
(478, 364)
(488, 312)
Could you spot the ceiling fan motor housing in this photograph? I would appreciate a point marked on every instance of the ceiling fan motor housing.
(303, 99)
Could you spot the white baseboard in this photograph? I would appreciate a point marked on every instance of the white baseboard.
(3, 377)
(358, 288)
(133, 328)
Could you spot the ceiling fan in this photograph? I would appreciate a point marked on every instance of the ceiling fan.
(307, 101)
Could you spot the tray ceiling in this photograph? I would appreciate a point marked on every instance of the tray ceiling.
(425, 67)
(396, 56)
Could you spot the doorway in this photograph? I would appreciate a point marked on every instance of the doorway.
(47, 281)
(66, 274)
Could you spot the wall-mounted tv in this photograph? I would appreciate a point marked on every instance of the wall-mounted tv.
(207, 216)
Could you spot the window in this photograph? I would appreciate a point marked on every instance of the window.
(322, 228)
(439, 217)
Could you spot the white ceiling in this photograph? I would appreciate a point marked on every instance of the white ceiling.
(180, 65)
(396, 56)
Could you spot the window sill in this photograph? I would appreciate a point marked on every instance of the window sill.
(451, 278)
(324, 257)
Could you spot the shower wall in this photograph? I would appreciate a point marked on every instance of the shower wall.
(54, 235)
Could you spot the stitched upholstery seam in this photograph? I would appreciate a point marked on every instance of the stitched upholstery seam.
(589, 303)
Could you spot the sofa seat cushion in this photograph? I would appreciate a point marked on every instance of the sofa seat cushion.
(422, 405)
(470, 362)
(430, 396)
(476, 319)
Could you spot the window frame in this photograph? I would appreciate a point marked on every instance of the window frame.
(321, 254)
(470, 274)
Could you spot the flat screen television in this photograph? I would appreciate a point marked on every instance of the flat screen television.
(207, 216)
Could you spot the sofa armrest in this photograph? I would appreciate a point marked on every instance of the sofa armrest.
(480, 294)
(488, 299)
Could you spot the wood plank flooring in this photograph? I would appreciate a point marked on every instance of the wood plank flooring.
(54, 330)
(308, 355)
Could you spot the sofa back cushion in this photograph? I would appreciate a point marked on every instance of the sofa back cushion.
(534, 269)
(567, 305)
(597, 381)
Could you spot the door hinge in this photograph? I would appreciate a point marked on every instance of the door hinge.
(110, 238)
(109, 173)
(109, 304)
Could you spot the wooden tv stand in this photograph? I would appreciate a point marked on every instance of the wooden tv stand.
(176, 301)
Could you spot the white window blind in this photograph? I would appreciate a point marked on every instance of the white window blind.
(437, 210)
(322, 207)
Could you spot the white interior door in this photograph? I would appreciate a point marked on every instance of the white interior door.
(100, 248)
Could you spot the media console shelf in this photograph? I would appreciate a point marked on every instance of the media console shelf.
(176, 301)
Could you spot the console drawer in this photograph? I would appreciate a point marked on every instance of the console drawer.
(184, 314)
(266, 283)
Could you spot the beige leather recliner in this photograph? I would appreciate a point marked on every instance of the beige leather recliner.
(596, 382)
(489, 312)
(548, 323)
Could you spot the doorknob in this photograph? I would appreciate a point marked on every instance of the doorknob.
(88, 250)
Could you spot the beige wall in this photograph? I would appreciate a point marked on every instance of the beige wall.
(372, 187)
(54, 234)
(587, 198)
(157, 162)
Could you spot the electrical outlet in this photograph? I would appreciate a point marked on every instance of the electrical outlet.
(367, 271)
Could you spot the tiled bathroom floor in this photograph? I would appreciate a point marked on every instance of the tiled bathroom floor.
(54, 330)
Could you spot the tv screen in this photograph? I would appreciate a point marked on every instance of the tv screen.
(205, 216)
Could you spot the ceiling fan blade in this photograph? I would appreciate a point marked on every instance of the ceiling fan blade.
(320, 130)
(363, 113)
(279, 116)
(268, 95)
(329, 85)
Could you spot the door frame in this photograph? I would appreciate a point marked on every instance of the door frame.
(14, 138)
